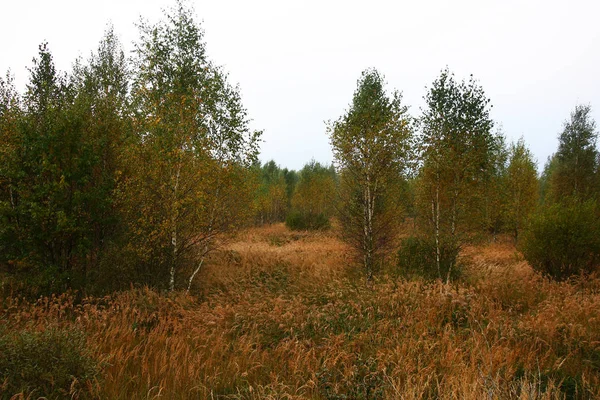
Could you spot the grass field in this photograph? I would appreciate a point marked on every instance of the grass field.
(282, 315)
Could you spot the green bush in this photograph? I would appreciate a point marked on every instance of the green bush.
(417, 257)
(298, 221)
(53, 364)
(564, 240)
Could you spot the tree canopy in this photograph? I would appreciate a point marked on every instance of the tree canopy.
(370, 145)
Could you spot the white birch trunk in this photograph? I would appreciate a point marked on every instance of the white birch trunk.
(194, 274)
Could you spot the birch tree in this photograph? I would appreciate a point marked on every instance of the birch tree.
(492, 199)
(522, 188)
(574, 176)
(370, 145)
(193, 145)
(455, 143)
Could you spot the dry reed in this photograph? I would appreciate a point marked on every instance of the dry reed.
(279, 315)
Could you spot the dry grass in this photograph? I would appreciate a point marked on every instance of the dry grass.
(278, 315)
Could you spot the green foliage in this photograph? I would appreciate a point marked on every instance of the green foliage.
(291, 178)
(94, 174)
(60, 164)
(564, 239)
(316, 190)
(313, 199)
(188, 172)
(492, 197)
(521, 188)
(417, 258)
(54, 210)
(574, 174)
(461, 161)
(407, 194)
(370, 145)
(274, 191)
(10, 115)
(298, 221)
(128, 170)
(545, 179)
(52, 364)
(304, 198)
(457, 134)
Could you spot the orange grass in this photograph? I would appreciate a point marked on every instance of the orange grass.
(280, 315)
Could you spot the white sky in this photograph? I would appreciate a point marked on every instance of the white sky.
(298, 62)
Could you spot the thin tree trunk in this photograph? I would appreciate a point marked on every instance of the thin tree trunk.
(12, 197)
(453, 229)
(194, 275)
(437, 226)
(174, 244)
(208, 235)
(449, 272)
(517, 214)
(13, 204)
(366, 231)
(454, 212)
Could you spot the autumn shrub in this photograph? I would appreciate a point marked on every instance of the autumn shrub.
(417, 258)
(564, 240)
(52, 364)
(298, 221)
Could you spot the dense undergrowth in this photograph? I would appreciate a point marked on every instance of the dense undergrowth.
(279, 315)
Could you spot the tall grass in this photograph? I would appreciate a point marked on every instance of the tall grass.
(279, 315)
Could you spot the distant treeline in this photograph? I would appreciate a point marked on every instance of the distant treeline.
(130, 170)
(304, 199)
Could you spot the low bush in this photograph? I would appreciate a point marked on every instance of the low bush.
(53, 364)
(298, 221)
(564, 240)
(417, 257)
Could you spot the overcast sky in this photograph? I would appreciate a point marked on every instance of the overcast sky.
(297, 63)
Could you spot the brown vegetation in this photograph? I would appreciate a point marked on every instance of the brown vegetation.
(279, 315)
